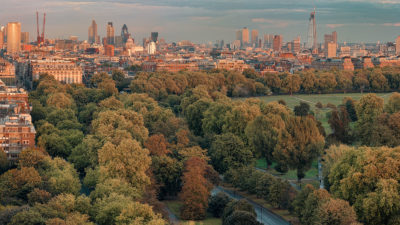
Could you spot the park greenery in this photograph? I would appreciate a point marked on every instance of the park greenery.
(107, 156)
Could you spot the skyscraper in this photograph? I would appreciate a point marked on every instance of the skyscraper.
(93, 37)
(312, 32)
(278, 39)
(268, 40)
(13, 37)
(398, 45)
(254, 38)
(110, 33)
(125, 34)
(239, 35)
(154, 36)
(25, 37)
(245, 36)
(1, 39)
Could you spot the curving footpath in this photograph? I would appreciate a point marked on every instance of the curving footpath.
(264, 215)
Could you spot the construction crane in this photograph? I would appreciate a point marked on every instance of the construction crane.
(40, 37)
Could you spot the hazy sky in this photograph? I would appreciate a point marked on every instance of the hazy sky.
(209, 20)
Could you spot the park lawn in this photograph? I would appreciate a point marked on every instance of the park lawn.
(291, 174)
(174, 206)
(312, 99)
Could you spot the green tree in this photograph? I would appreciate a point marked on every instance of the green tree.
(228, 151)
(393, 104)
(127, 161)
(217, 203)
(299, 145)
(263, 134)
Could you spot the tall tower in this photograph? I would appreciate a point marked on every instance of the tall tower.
(13, 37)
(254, 38)
(110, 33)
(277, 45)
(154, 36)
(245, 36)
(125, 34)
(312, 32)
(93, 33)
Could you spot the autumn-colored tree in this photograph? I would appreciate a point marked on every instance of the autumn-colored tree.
(31, 157)
(17, 183)
(299, 145)
(157, 145)
(308, 81)
(60, 100)
(291, 83)
(336, 212)
(195, 190)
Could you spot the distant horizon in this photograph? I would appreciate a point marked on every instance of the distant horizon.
(202, 21)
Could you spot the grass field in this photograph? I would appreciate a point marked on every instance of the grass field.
(291, 174)
(175, 205)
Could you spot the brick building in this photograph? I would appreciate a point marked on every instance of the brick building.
(16, 129)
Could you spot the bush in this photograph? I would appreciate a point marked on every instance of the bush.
(217, 204)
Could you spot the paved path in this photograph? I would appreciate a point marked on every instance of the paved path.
(172, 217)
(264, 215)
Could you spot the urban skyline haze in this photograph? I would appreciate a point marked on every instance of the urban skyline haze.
(202, 21)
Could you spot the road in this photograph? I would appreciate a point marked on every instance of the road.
(264, 215)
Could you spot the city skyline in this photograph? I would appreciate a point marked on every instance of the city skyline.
(202, 21)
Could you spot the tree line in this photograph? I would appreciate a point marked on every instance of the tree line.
(160, 85)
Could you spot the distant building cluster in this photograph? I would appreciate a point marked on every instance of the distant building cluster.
(74, 61)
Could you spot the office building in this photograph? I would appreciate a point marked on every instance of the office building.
(268, 40)
(109, 50)
(25, 37)
(93, 36)
(398, 45)
(110, 33)
(1, 39)
(154, 37)
(296, 45)
(277, 46)
(62, 70)
(245, 37)
(151, 48)
(239, 35)
(125, 35)
(331, 50)
(254, 38)
(330, 38)
(13, 37)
